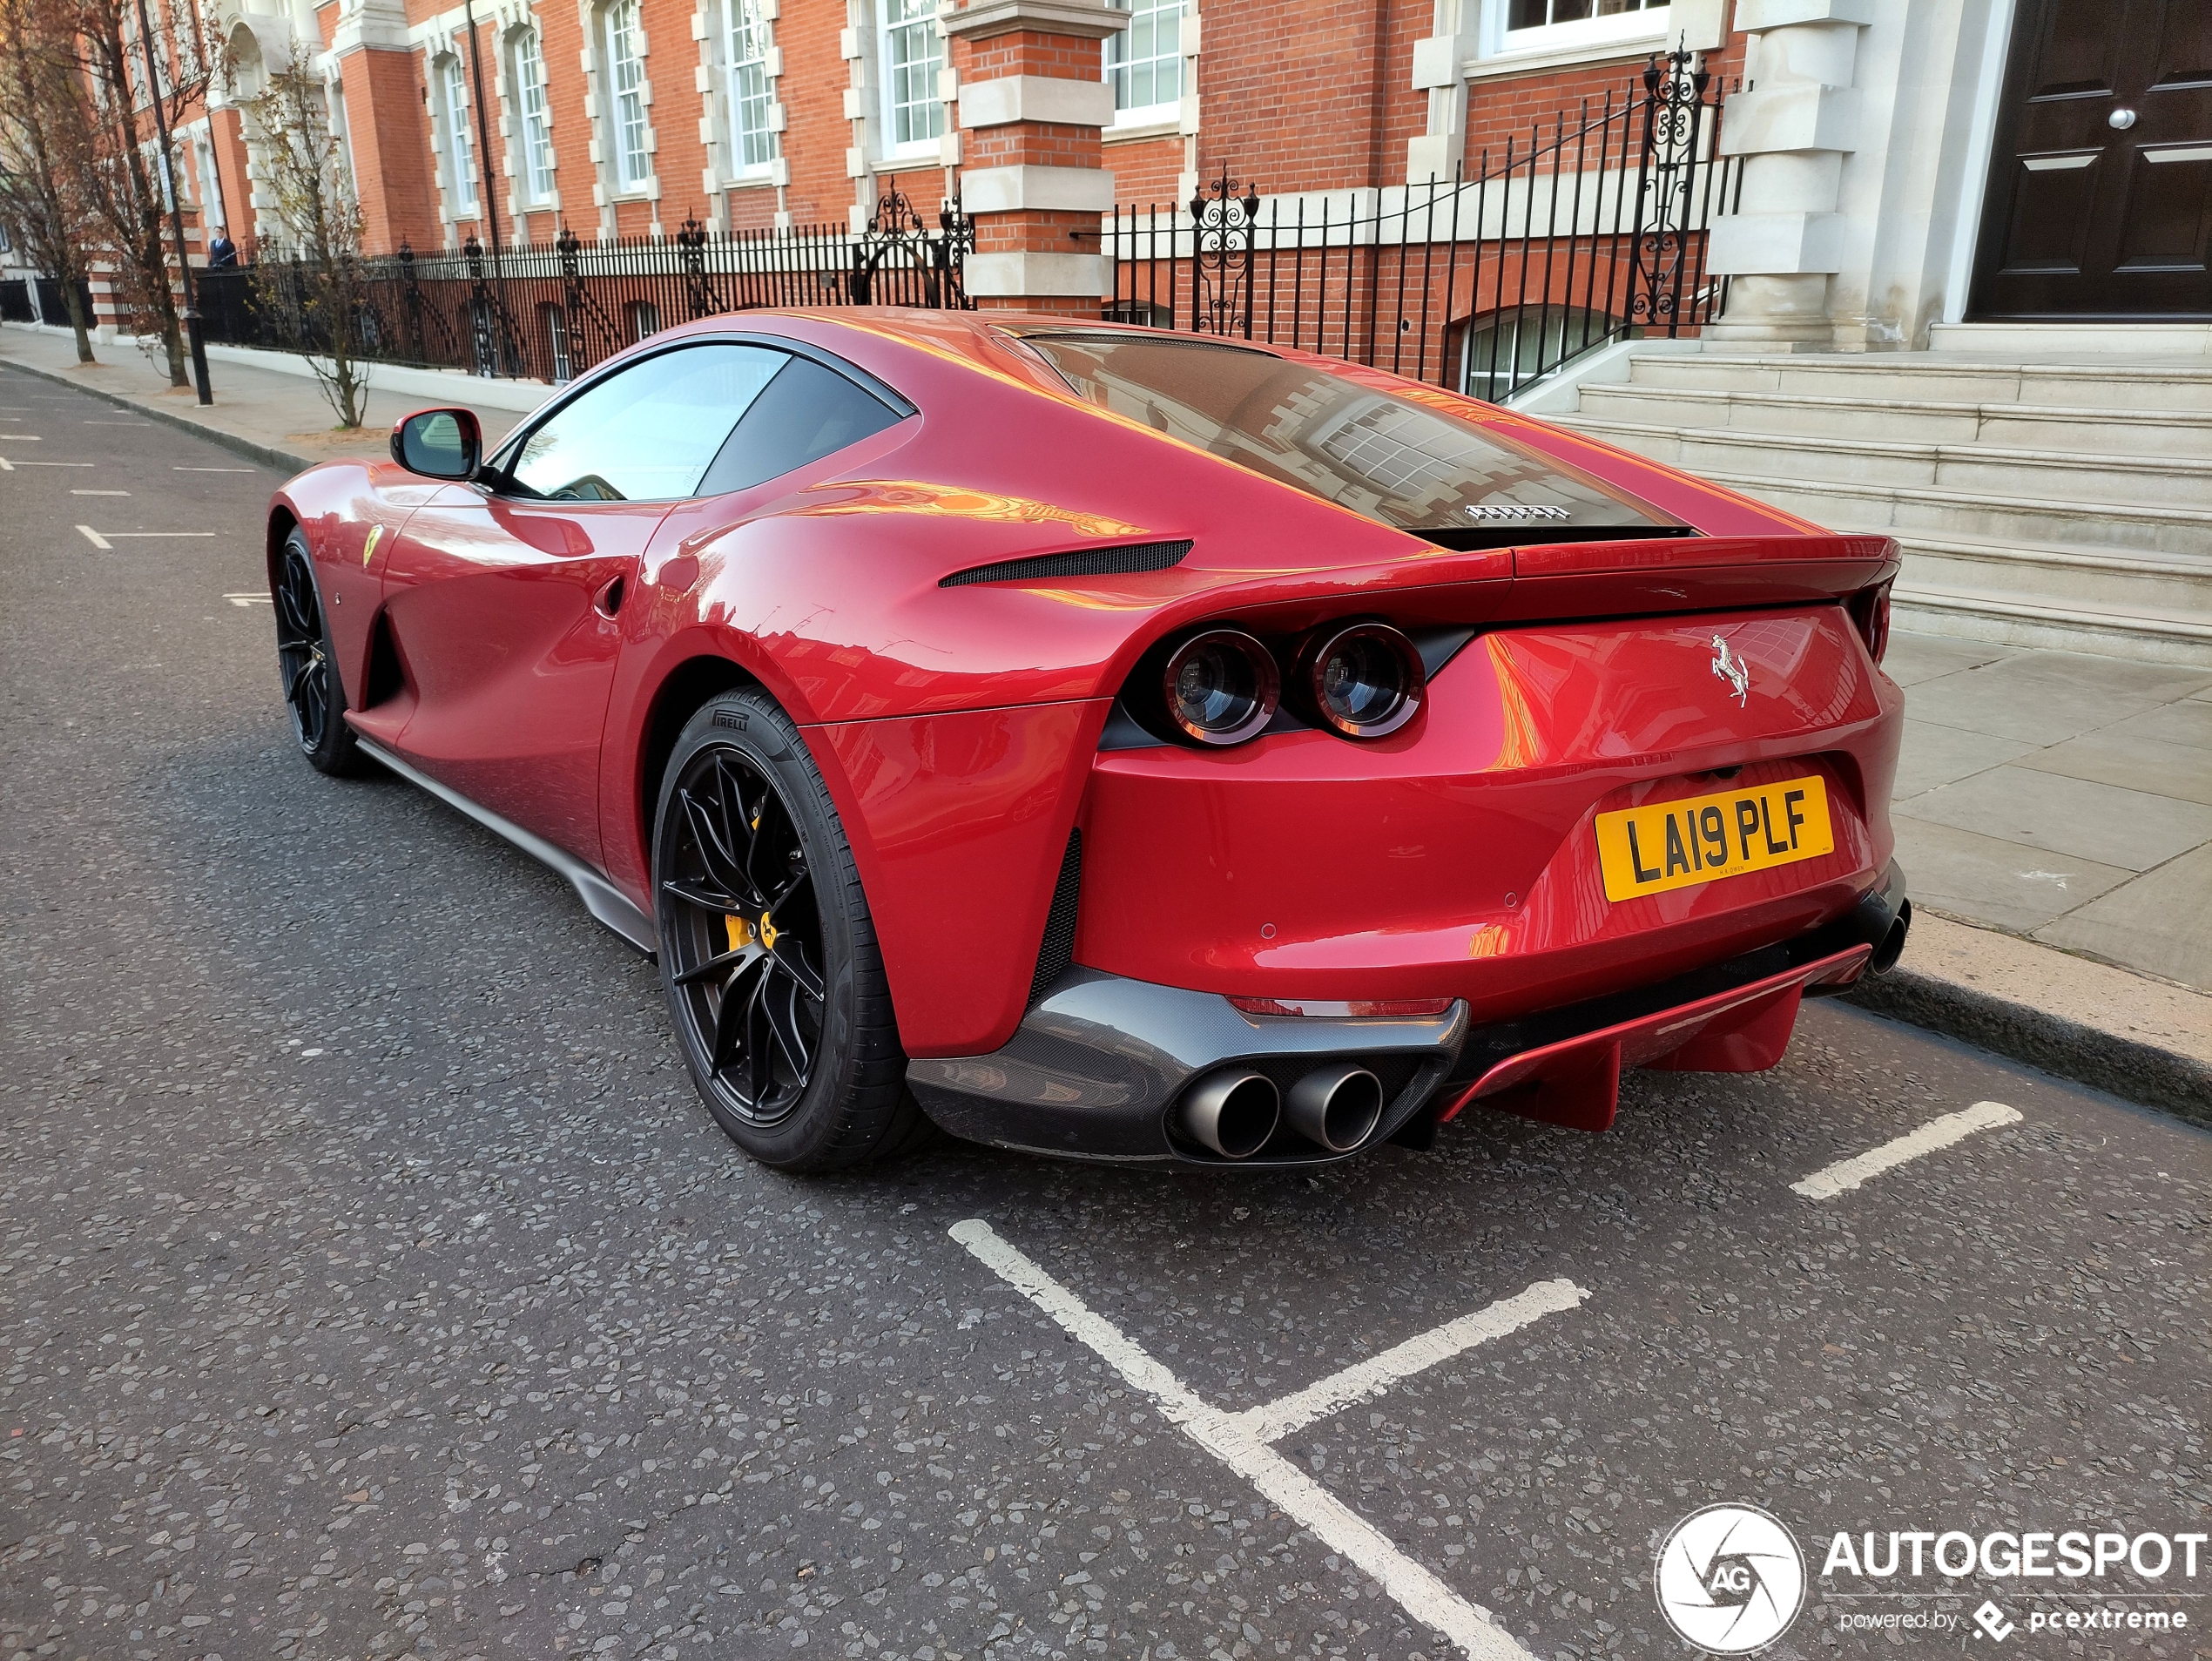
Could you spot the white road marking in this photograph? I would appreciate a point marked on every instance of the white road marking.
(1367, 1380)
(1847, 1174)
(118, 424)
(1225, 1435)
(249, 599)
(214, 469)
(20, 438)
(53, 464)
(99, 493)
(95, 538)
(6, 466)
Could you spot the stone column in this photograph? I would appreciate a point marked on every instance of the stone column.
(1857, 132)
(1033, 101)
(1796, 120)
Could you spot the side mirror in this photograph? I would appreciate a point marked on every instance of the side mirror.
(438, 443)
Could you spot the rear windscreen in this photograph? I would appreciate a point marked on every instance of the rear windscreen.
(1381, 455)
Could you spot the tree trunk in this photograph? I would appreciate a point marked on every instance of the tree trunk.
(73, 300)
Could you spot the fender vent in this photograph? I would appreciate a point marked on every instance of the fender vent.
(1084, 562)
(1058, 952)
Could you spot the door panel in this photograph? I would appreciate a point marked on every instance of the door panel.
(502, 602)
(499, 610)
(2084, 218)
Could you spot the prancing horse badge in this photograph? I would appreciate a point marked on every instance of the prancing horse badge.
(1733, 669)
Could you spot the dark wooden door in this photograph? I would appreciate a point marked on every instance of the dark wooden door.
(2099, 202)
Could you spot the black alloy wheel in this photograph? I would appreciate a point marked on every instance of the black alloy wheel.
(313, 692)
(769, 962)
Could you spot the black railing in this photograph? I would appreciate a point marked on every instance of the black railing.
(1592, 230)
(40, 300)
(552, 311)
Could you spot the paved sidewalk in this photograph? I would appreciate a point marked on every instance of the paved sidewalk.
(2060, 796)
(282, 416)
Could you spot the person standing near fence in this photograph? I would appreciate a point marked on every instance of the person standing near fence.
(222, 252)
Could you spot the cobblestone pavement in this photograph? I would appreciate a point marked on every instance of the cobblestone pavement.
(375, 1286)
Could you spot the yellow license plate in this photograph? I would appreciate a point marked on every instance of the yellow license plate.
(1679, 844)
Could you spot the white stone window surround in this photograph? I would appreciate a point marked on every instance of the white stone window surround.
(1502, 51)
(910, 49)
(530, 100)
(752, 65)
(1161, 66)
(449, 85)
(628, 97)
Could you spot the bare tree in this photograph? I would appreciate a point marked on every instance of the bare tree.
(310, 191)
(45, 145)
(123, 187)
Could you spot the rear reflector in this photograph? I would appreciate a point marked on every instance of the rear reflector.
(1356, 1010)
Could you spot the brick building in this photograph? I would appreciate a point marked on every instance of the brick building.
(625, 117)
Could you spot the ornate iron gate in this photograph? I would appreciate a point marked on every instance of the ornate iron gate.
(1590, 229)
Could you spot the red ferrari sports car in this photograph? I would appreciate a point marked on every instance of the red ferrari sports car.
(1116, 743)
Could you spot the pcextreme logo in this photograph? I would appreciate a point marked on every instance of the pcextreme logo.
(1730, 1579)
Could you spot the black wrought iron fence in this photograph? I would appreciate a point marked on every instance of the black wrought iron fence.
(39, 299)
(551, 312)
(15, 300)
(1592, 230)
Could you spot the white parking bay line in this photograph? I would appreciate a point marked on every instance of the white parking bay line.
(1847, 1174)
(1367, 1380)
(99, 493)
(249, 599)
(1230, 1439)
(21, 438)
(95, 538)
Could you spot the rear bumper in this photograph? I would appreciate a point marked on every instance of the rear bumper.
(1098, 1066)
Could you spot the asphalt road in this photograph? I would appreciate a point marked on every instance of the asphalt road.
(374, 1284)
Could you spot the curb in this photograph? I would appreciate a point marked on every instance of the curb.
(2096, 1025)
(267, 455)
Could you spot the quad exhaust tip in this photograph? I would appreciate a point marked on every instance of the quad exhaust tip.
(1236, 1111)
(1892, 946)
(1337, 1106)
(1232, 1111)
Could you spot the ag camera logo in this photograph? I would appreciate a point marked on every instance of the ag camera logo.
(1730, 1579)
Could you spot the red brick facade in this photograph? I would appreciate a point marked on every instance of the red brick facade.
(1317, 95)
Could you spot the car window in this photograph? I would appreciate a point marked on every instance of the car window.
(1385, 454)
(646, 432)
(807, 412)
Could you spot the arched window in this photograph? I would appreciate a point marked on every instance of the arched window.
(752, 142)
(625, 54)
(1497, 355)
(452, 87)
(526, 73)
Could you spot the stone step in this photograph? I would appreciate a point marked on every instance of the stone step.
(2026, 620)
(2182, 433)
(2126, 384)
(2033, 340)
(2061, 574)
(2068, 477)
(1901, 510)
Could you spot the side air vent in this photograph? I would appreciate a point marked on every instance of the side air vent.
(1059, 948)
(1084, 562)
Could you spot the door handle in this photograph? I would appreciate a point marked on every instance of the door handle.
(2121, 120)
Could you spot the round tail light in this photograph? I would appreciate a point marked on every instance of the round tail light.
(1221, 687)
(1365, 681)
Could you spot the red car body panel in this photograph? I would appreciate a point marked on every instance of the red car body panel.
(958, 727)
